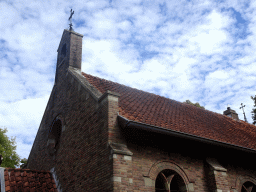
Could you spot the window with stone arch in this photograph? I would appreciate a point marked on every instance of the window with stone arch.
(248, 187)
(54, 136)
(169, 181)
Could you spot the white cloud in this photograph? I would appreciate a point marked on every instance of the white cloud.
(22, 119)
(191, 47)
(9, 15)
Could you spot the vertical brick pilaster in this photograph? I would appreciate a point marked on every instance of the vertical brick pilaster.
(218, 176)
(122, 173)
(111, 98)
(121, 156)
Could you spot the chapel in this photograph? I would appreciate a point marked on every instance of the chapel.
(99, 135)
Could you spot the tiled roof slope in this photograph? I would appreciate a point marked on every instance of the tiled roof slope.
(26, 180)
(148, 108)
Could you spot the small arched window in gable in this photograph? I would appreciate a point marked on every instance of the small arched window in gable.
(54, 136)
(248, 187)
(63, 50)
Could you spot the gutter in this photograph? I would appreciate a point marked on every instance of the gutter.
(2, 181)
(125, 123)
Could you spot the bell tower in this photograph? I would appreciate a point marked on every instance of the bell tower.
(69, 52)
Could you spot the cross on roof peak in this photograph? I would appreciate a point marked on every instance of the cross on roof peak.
(70, 20)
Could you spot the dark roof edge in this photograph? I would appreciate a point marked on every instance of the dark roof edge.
(124, 122)
(2, 181)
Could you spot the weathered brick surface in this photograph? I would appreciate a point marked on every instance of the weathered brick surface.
(188, 159)
(82, 160)
(86, 159)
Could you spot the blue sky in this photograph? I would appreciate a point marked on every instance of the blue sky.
(197, 50)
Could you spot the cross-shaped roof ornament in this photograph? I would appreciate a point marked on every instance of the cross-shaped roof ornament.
(243, 111)
(70, 20)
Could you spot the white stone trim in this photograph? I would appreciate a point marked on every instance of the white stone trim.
(126, 157)
(215, 165)
(63, 128)
(116, 179)
(190, 187)
(58, 185)
(50, 141)
(149, 182)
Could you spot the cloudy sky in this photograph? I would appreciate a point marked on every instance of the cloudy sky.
(201, 50)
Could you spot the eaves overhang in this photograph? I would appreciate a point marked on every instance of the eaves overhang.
(126, 123)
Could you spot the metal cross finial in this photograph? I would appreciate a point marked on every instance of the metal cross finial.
(71, 14)
(70, 20)
(243, 111)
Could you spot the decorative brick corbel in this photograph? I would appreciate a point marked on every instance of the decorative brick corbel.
(117, 148)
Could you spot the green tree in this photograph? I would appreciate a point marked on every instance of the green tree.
(254, 110)
(24, 162)
(7, 150)
(195, 104)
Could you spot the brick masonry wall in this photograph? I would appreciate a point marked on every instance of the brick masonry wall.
(82, 161)
(144, 159)
(85, 161)
(187, 159)
(123, 178)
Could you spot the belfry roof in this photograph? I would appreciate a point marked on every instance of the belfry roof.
(148, 108)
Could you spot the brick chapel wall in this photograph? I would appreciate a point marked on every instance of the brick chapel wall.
(82, 161)
(187, 157)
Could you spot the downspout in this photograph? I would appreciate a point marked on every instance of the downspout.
(2, 181)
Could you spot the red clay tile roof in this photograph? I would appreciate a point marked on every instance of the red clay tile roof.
(28, 180)
(148, 108)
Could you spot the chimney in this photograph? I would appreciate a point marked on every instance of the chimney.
(231, 113)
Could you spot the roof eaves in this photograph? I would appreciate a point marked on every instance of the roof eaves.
(143, 126)
(2, 181)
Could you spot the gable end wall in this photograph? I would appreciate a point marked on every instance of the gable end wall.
(82, 160)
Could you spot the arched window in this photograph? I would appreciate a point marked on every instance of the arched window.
(169, 181)
(54, 136)
(248, 187)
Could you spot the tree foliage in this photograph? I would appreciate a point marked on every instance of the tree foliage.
(7, 149)
(23, 162)
(254, 110)
(195, 104)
